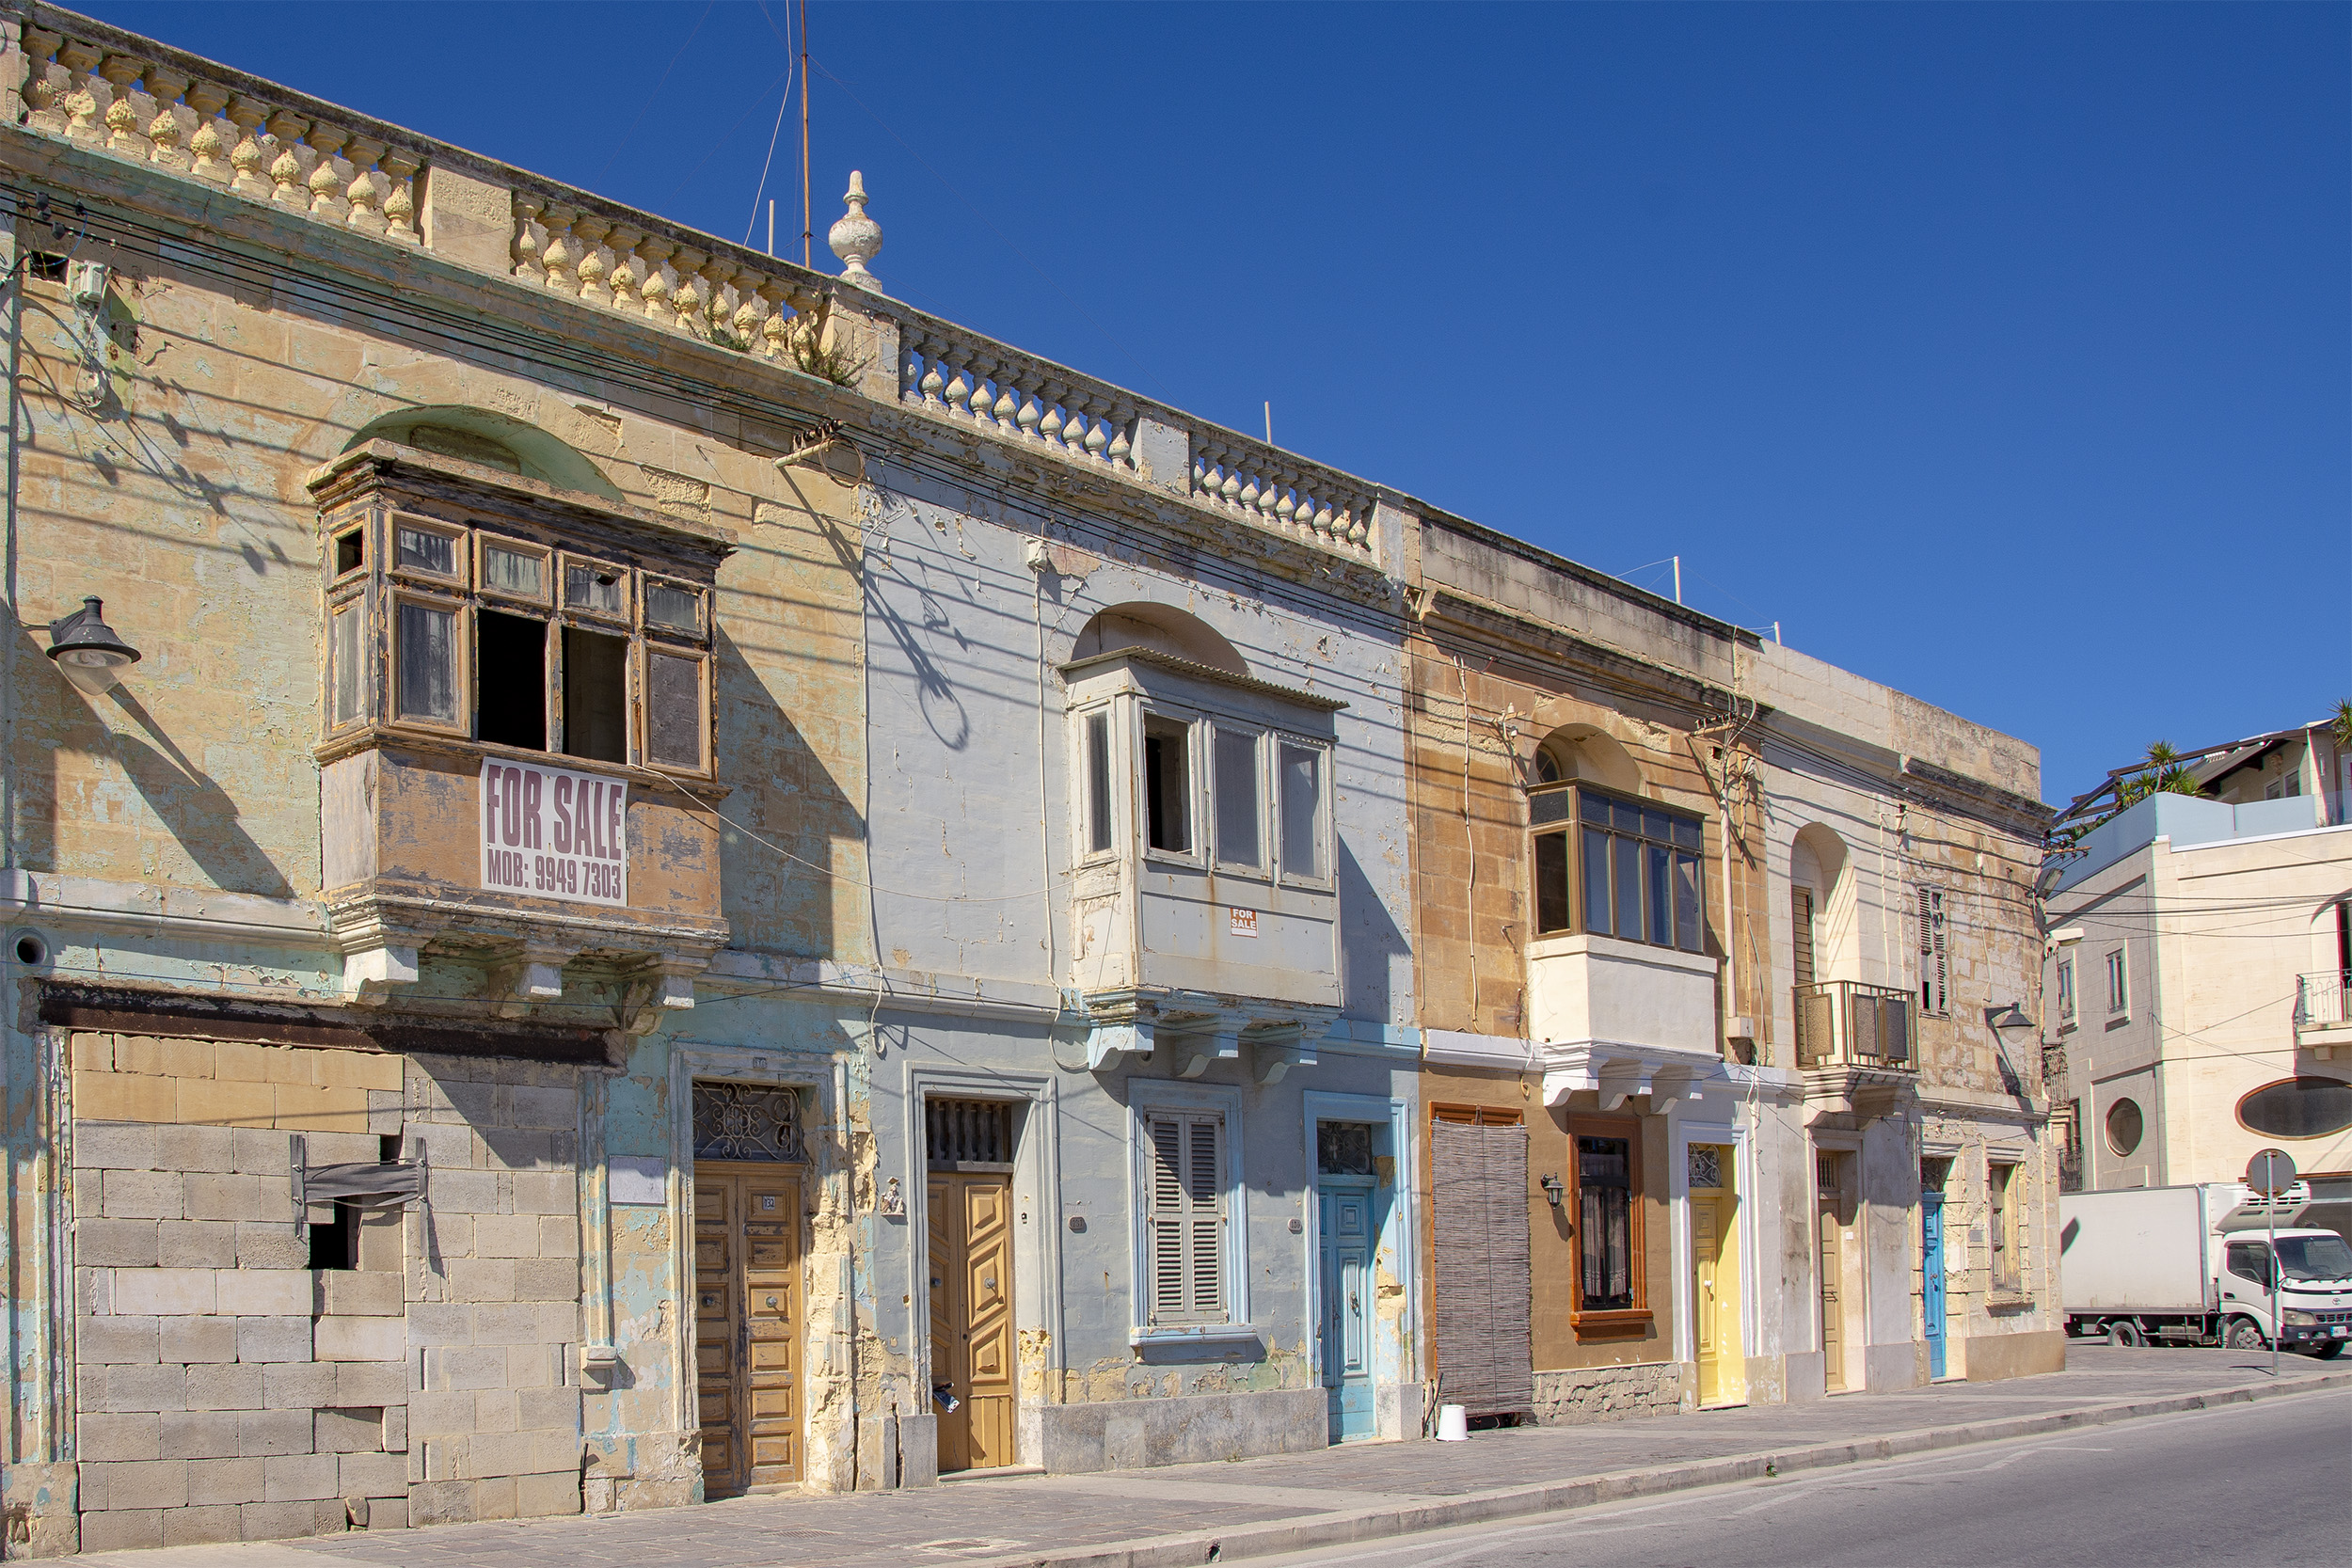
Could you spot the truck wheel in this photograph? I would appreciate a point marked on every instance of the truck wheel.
(2244, 1334)
(2125, 1333)
(2328, 1350)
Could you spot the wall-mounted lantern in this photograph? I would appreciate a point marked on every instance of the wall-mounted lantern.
(2010, 1025)
(87, 649)
(1553, 1189)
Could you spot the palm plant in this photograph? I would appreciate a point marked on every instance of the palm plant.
(2162, 773)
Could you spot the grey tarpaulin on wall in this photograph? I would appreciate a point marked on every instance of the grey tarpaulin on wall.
(368, 1184)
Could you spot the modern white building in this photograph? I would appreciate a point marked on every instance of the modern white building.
(2197, 963)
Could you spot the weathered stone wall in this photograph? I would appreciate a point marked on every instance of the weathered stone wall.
(227, 1390)
(1581, 1395)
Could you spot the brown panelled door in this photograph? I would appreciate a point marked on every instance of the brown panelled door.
(747, 1287)
(970, 1146)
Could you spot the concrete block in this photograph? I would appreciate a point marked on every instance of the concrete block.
(147, 1482)
(99, 1341)
(264, 1292)
(241, 1062)
(215, 1196)
(393, 1435)
(494, 1497)
(122, 1530)
(127, 1243)
(260, 1151)
(450, 1368)
(310, 1107)
(225, 1481)
(370, 1383)
(347, 1431)
(235, 1387)
(382, 1242)
(197, 1245)
(123, 1097)
(196, 1148)
(141, 1195)
(449, 1149)
(200, 1434)
(545, 1192)
(542, 1496)
(531, 1366)
(556, 1408)
(498, 1410)
(263, 1244)
(291, 1521)
(553, 1448)
(298, 1386)
(555, 1108)
(361, 1338)
(507, 1236)
(559, 1236)
(386, 1112)
(544, 1279)
(94, 1292)
(507, 1324)
(482, 1279)
(439, 1411)
(345, 1147)
(356, 1069)
(387, 1513)
(354, 1294)
(373, 1475)
(200, 1340)
(468, 221)
(463, 1192)
(207, 1101)
(441, 1502)
(115, 1145)
(268, 1434)
(164, 1292)
(103, 1438)
(441, 1323)
(131, 1388)
(285, 1338)
(300, 1478)
(202, 1527)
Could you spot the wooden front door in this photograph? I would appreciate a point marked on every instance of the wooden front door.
(1715, 1276)
(1829, 1201)
(972, 1344)
(747, 1324)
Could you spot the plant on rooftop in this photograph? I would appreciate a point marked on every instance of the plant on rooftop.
(811, 355)
(2164, 774)
(2342, 723)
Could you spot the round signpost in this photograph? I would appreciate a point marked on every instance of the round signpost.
(2271, 1173)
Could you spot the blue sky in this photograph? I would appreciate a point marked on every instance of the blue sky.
(2000, 353)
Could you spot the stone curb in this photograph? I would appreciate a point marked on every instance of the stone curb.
(1510, 1502)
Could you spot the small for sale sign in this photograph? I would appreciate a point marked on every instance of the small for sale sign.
(554, 833)
(1244, 923)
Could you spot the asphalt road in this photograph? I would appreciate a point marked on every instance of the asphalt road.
(2264, 1485)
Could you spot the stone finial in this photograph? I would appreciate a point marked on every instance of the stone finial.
(856, 238)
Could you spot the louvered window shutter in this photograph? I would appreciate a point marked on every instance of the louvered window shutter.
(1934, 960)
(1185, 1226)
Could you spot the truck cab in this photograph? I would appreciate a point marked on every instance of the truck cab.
(2314, 1286)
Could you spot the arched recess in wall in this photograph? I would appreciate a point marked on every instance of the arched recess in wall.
(1822, 907)
(495, 441)
(1161, 628)
(1582, 752)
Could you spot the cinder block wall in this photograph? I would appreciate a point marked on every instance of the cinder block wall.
(224, 1389)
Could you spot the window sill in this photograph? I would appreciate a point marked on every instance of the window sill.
(1195, 1334)
(2006, 1301)
(365, 737)
(1617, 1325)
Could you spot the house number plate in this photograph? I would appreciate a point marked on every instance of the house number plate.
(553, 833)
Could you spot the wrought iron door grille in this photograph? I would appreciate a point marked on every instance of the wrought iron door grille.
(747, 1121)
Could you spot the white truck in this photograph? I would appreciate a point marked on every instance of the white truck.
(2193, 1266)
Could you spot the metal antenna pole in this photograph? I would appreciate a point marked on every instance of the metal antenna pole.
(1678, 579)
(808, 222)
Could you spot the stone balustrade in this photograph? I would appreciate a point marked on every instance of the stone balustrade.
(723, 295)
(1009, 394)
(99, 87)
(143, 104)
(1279, 492)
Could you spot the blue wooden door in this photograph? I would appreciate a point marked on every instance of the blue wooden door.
(1931, 1275)
(1346, 1275)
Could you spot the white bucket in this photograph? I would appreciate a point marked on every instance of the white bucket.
(1453, 1424)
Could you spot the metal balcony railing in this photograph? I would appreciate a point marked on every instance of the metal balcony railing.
(1845, 1024)
(2325, 997)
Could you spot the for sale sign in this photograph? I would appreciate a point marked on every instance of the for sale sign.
(554, 833)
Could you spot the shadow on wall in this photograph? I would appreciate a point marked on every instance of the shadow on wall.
(785, 794)
(187, 802)
(1369, 941)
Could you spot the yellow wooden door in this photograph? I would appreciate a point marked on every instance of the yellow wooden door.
(1831, 1205)
(747, 1326)
(1706, 1254)
(972, 1336)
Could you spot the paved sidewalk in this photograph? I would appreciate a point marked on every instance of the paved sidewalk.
(1146, 1518)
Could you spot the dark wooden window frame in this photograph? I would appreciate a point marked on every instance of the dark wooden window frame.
(1569, 830)
(1612, 1322)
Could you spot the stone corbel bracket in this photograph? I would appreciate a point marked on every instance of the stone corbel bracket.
(370, 973)
(657, 991)
(1277, 1048)
(530, 975)
(1617, 1078)
(1198, 1042)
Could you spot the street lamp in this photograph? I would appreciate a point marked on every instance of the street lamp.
(2010, 1025)
(1553, 1187)
(87, 649)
